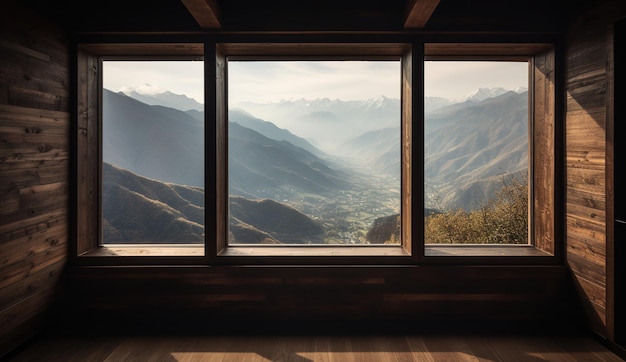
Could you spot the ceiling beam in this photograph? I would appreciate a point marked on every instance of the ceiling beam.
(206, 12)
(418, 12)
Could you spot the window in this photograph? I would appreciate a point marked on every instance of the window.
(525, 183)
(153, 155)
(476, 152)
(261, 167)
(314, 152)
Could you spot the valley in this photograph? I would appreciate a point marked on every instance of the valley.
(285, 186)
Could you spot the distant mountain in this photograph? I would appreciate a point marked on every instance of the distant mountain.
(469, 143)
(156, 97)
(270, 130)
(379, 151)
(481, 94)
(468, 146)
(433, 103)
(328, 122)
(153, 141)
(166, 144)
(261, 167)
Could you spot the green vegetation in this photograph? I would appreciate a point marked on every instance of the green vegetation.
(500, 220)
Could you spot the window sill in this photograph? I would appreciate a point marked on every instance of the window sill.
(315, 251)
(268, 253)
(160, 250)
(483, 250)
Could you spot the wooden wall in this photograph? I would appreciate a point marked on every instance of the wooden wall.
(34, 170)
(589, 208)
(34, 199)
(318, 299)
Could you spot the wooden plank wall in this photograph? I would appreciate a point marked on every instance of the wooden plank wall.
(34, 173)
(588, 92)
(258, 299)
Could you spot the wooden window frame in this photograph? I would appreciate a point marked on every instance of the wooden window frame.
(406, 252)
(544, 152)
(544, 249)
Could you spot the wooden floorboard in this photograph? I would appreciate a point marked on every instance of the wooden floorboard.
(305, 348)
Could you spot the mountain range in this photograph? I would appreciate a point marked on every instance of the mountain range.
(470, 145)
(159, 212)
(258, 166)
(467, 147)
(327, 123)
(157, 142)
(155, 97)
(137, 209)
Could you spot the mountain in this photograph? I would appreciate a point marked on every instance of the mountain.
(140, 210)
(261, 167)
(168, 145)
(157, 97)
(328, 122)
(468, 146)
(136, 209)
(153, 141)
(481, 94)
(378, 151)
(267, 221)
(270, 130)
(434, 103)
(385, 230)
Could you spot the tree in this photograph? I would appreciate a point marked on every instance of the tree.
(500, 220)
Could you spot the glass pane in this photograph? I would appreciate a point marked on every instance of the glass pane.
(314, 152)
(476, 152)
(153, 152)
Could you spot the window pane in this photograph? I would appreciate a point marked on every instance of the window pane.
(476, 152)
(153, 152)
(314, 152)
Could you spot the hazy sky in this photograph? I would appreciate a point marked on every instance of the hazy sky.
(177, 77)
(454, 80)
(271, 81)
(274, 81)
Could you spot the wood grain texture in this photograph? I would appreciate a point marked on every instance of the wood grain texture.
(418, 12)
(87, 152)
(544, 150)
(588, 82)
(318, 347)
(34, 170)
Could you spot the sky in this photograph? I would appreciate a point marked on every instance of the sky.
(263, 82)
(454, 80)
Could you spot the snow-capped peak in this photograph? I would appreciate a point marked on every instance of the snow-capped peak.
(145, 89)
(482, 94)
(520, 90)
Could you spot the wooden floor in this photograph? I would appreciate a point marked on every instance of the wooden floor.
(301, 348)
